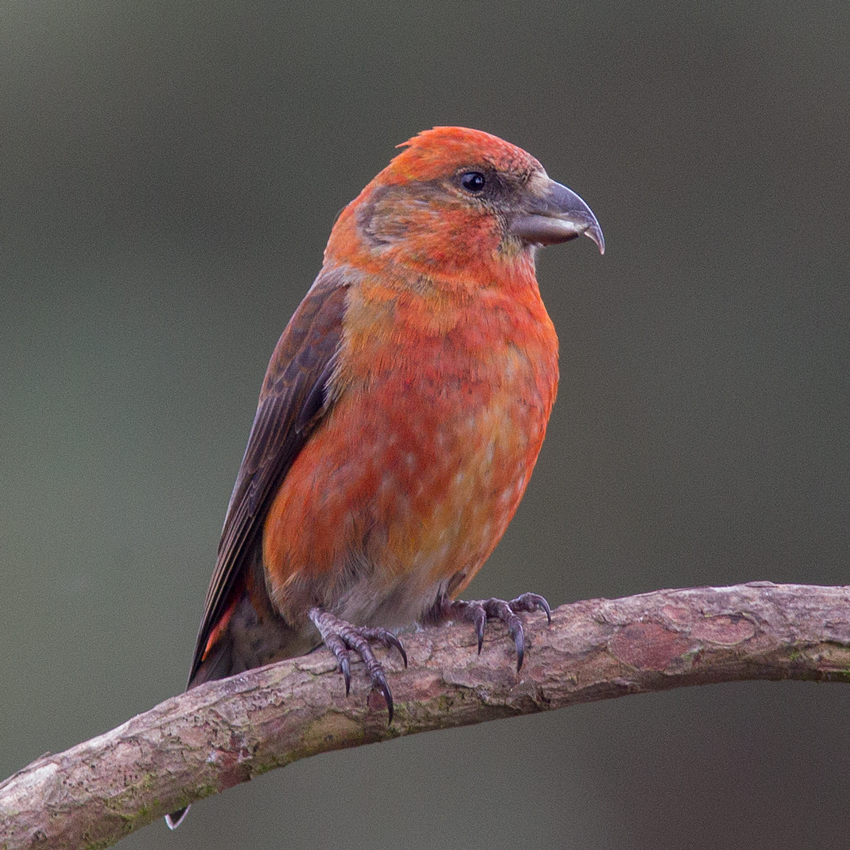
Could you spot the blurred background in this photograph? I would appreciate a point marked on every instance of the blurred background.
(170, 173)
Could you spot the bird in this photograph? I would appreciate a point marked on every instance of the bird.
(400, 417)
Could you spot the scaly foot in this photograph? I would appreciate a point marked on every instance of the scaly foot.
(342, 638)
(478, 611)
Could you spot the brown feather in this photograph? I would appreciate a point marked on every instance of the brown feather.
(292, 403)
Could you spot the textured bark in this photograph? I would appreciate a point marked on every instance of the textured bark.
(223, 733)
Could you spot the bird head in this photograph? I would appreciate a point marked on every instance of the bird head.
(457, 200)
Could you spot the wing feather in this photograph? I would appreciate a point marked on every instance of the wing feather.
(292, 403)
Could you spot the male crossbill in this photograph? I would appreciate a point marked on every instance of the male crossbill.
(400, 417)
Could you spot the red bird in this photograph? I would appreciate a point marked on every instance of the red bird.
(400, 417)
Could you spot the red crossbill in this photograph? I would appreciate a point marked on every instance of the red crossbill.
(400, 417)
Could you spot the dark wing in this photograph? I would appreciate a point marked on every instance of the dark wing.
(293, 400)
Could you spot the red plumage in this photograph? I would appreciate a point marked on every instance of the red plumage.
(401, 414)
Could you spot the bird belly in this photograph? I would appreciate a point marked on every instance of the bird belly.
(375, 524)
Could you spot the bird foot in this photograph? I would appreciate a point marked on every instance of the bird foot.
(342, 638)
(479, 611)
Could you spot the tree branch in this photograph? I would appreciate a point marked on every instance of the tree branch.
(223, 733)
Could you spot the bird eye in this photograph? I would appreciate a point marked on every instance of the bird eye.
(473, 181)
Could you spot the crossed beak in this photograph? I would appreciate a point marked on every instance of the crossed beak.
(553, 213)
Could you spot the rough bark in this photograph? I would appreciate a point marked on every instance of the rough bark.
(223, 733)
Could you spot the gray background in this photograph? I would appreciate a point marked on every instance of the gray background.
(170, 173)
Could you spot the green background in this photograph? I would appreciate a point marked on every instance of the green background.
(170, 173)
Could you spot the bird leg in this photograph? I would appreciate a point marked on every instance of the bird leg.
(478, 611)
(342, 638)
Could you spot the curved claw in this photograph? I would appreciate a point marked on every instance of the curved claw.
(342, 638)
(531, 602)
(386, 637)
(479, 620)
(479, 611)
(379, 683)
(345, 667)
(392, 640)
(473, 611)
(517, 632)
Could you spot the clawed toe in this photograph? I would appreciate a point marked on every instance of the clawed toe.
(342, 638)
(479, 611)
(532, 602)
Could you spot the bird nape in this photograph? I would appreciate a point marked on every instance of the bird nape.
(400, 417)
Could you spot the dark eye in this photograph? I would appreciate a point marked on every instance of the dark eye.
(473, 181)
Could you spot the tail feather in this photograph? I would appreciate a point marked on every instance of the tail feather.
(254, 635)
(176, 818)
